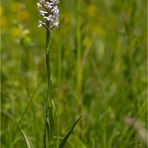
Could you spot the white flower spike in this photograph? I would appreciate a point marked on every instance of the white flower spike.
(49, 11)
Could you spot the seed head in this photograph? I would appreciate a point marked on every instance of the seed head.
(49, 12)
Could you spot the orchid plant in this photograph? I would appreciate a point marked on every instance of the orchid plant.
(49, 12)
(49, 19)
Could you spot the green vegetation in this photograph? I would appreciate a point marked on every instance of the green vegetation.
(98, 63)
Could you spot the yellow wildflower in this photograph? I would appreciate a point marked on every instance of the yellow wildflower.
(23, 15)
(17, 6)
(1, 10)
(87, 40)
(16, 32)
(91, 10)
(67, 19)
(99, 30)
(3, 21)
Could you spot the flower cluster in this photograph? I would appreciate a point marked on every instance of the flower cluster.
(49, 12)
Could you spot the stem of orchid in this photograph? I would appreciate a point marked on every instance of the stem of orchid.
(48, 64)
(47, 100)
(49, 13)
(59, 93)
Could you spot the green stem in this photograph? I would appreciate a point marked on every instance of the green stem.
(48, 99)
(59, 92)
(48, 64)
(78, 45)
(59, 84)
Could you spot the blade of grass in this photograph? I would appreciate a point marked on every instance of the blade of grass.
(30, 101)
(51, 119)
(78, 60)
(14, 142)
(68, 134)
(27, 141)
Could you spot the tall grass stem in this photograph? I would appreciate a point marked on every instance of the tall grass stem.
(78, 47)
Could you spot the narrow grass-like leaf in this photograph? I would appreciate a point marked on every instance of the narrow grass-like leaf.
(77, 142)
(51, 119)
(68, 134)
(27, 141)
(14, 142)
(30, 101)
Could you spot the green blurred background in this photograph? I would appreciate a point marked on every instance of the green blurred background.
(114, 78)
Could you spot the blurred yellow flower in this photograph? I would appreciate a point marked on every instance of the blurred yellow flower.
(1, 10)
(91, 10)
(67, 19)
(16, 32)
(3, 21)
(19, 8)
(99, 30)
(87, 40)
(23, 15)
(16, 6)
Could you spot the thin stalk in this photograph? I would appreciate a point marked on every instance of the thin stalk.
(78, 47)
(59, 83)
(59, 91)
(48, 64)
(25, 68)
(47, 99)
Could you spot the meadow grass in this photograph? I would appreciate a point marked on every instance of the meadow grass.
(98, 61)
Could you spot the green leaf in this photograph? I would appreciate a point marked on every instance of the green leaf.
(28, 143)
(14, 142)
(51, 117)
(68, 134)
